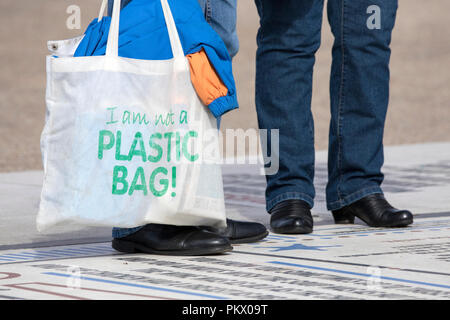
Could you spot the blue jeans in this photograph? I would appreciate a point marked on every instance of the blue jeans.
(288, 39)
(221, 15)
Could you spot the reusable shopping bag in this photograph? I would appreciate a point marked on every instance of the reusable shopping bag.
(127, 142)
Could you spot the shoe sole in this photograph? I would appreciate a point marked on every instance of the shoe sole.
(131, 247)
(250, 239)
(291, 230)
(350, 219)
(397, 225)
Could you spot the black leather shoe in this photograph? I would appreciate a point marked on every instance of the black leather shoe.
(242, 231)
(375, 211)
(172, 240)
(291, 217)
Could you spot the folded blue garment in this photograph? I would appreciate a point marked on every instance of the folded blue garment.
(143, 35)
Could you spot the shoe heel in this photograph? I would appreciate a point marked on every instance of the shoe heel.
(343, 217)
(124, 246)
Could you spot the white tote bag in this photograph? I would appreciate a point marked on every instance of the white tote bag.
(127, 142)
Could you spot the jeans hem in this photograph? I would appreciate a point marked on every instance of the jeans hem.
(118, 233)
(289, 196)
(358, 195)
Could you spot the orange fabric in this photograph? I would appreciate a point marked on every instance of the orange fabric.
(207, 83)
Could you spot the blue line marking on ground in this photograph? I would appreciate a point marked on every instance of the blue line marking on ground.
(6, 259)
(60, 253)
(138, 286)
(281, 237)
(12, 256)
(391, 230)
(47, 253)
(36, 255)
(18, 256)
(361, 274)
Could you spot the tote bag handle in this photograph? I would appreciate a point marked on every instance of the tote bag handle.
(112, 48)
(102, 10)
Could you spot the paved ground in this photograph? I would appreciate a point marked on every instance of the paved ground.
(335, 262)
(420, 95)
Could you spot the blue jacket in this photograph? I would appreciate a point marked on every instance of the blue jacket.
(143, 35)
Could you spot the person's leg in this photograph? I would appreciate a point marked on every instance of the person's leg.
(359, 100)
(288, 39)
(221, 15)
(359, 93)
(118, 233)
